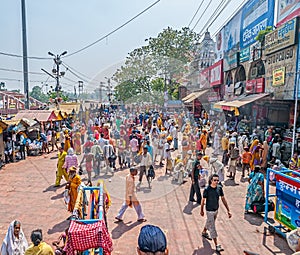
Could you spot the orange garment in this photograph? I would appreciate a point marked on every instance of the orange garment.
(203, 141)
(74, 184)
(246, 157)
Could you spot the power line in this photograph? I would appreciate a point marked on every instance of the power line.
(202, 14)
(196, 13)
(112, 32)
(230, 17)
(19, 71)
(20, 56)
(69, 67)
(216, 13)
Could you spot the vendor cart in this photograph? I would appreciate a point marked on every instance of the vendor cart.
(89, 234)
(287, 198)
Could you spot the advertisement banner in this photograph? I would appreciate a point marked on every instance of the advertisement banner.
(216, 73)
(284, 58)
(256, 16)
(231, 61)
(278, 76)
(245, 54)
(287, 209)
(232, 33)
(281, 37)
(286, 10)
(204, 78)
(219, 44)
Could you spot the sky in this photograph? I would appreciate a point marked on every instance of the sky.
(65, 25)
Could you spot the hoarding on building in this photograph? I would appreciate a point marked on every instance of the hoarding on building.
(219, 44)
(232, 33)
(281, 37)
(284, 58)
(278, 76)
(216, 73)
(286, 10)
(256, 16)
(245, 54)
(231, 61)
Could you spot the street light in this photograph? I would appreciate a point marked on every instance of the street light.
(57, 61)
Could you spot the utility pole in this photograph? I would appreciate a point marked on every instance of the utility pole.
(25, 60)
(80, 88)
(100, 91)
(57, 73)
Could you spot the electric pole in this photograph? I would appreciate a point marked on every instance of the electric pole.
(57, 73)
(25, 60)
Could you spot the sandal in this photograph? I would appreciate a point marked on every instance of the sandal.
(205, 235)
(142, 220)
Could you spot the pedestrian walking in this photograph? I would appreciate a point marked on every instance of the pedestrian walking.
(61, 171)
(146, 162)
(211, 196)
(195, 180)
(167, 154)
(131, 198)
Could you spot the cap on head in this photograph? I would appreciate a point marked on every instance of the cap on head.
(206, 158)
(152, 239)
(199, 154)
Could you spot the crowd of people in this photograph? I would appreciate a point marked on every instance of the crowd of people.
(178, 144)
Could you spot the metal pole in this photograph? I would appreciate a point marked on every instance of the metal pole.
(57, 80)
(25, 60)
(100, 92)
(295, 114)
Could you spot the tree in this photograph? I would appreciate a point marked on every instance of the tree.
(38, 94)
(262, 35)
(157, 66)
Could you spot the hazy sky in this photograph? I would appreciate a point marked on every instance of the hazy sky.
(59, 25)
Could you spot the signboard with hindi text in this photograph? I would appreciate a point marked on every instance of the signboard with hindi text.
(282, 37)
(278, 76)
(287, 208)
(256, 16)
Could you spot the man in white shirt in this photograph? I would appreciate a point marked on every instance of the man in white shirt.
(146, 162)
(167, 154)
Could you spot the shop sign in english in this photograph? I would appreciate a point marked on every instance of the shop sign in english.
(278, 76)
(282, 37)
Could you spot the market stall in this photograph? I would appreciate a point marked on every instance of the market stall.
(287, 209)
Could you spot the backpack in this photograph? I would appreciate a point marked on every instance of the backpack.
(151, 172)
(99, 156)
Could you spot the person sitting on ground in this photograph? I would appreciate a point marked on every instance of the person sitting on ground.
(61, 249)
(14, 241)
(255, 190)
(152, 241)
(38, 247)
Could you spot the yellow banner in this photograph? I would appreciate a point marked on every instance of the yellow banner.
(278, 76)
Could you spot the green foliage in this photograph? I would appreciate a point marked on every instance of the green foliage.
(157, 66)
(262, 34)
(38, 94)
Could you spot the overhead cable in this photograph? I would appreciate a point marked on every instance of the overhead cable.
(196, 13)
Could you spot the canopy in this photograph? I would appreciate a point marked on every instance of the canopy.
(69, 108)
(191, 97)
(39, 115)
(242, 101)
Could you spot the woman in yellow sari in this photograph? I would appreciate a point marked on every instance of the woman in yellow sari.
(77, 143)
(38, 246)
(67, 140)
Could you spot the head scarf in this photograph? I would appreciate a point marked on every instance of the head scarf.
(9, 246)
(152, 239)
(70, 151)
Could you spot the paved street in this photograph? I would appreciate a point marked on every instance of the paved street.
(27, 194)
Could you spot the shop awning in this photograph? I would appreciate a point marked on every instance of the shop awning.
(195, 95)
(188, 96)
(39, 115)
(242, 101)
